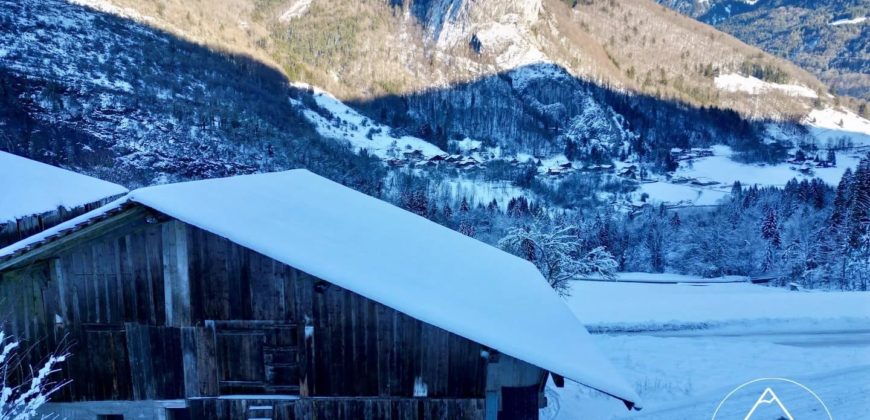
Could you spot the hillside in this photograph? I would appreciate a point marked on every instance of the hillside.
(371, 48)
(127, 103)
(494, 129)
(509, 107)
(829, 38)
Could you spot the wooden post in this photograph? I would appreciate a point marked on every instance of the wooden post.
(176, 279)
(59, 279)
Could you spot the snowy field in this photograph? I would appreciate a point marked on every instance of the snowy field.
(665, 278)
(723, 170)
(832, 127)
(694, 344)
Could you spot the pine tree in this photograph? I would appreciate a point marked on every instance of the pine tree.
(842, 200)
(675, 221)
(448, 212)
(770, 228)
(737, 189)
(463, 206)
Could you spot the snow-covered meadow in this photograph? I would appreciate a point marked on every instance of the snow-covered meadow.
(685, 346)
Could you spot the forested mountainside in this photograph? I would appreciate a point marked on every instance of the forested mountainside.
(489, 117)
(372, 48)
(827, 37)
(103, 95)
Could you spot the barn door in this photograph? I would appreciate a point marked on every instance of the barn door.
(257, 357)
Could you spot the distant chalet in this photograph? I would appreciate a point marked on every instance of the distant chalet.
(288, 296)
(35, 196)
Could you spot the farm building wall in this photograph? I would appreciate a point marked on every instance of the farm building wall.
(155, 309)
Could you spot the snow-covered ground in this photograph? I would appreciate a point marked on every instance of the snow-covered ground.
(686, 378)
(853, 21)
(680, 194)
(734, 82)
(724, 335)
(829, 125)
(620, 303)
(667, 278)
(295, 10)
(28, 187)
(832, 127)
(481, 192)
(723, 169)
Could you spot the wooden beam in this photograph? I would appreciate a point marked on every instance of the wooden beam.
(176, 276)
(59, 278)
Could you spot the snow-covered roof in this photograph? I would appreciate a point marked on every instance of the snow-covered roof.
(391, 256)
(29, 187)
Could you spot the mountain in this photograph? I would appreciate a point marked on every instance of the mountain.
(128, 103)
(146, 92)
(828, 37)
(485, 116)
(372, 48)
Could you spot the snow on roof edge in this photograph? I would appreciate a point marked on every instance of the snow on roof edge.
(33, 187)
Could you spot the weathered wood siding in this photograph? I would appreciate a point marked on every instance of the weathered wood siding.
(383, 408)
(341, 409)
(235, 321)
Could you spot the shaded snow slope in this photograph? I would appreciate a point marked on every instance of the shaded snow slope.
(28, 187)
(341, 122)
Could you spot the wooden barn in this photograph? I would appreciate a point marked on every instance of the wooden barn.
(288, 296)
(35, 196)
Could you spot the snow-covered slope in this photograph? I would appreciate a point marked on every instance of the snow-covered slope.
(340, 122)
(734, 82)
(28, 187)
(838, 125)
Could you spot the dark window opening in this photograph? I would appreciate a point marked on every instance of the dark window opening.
(177, 414)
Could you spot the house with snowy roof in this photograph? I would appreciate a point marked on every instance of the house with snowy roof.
(35, 196)
(289, 296)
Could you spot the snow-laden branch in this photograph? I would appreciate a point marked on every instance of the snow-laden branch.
(20, 401)
(557, 253)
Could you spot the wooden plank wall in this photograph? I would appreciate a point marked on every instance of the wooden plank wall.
(350, 345)
(361, 347)
(109, 293)
(342, 409)
(383, 409)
